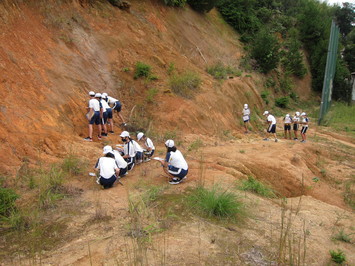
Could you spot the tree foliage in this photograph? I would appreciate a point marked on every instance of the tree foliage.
(203, 6)
(177, 3)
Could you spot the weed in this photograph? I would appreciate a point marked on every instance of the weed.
(142, 70)
(253, 185)
(151, 93)
(170, 135)
(264, 95)
(349, 194)
(152, 77)
(215, 203)
(185, 84)
(341, 117)
(270, 83)
(337, 256)
(220, 71)
(126, 69)
(7, 202)
(195, 145)
(342, 236)
(171, 69)
(242, 151)
(152, 194)
(282, 102)
(73, 165)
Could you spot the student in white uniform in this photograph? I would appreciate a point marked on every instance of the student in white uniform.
(109, 113)
(104, 118)
(116, 106)
(129, 150)
(148, 145)
(246, 117)
(304, 122)
(108, 168)
(94, 115)
(296, 120)
(121, 163)
(174, 165)
(287, 126)
(271, 121)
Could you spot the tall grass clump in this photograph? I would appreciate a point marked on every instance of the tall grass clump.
(215, 203)
(7, 201)
(337, 256)
(73, 165)
(220, 71)
(255, 186)
(185, 84)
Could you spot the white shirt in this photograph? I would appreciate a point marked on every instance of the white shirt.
(305, 120)
(288, 120)
(296, 119)
(121, 163)
(246, 113)
(129, 149)
(177, 160)
(137, 147)
(111, 100)
(272, 119)
(107, 167)
(104, 105)
(149, 144)
(94, 104)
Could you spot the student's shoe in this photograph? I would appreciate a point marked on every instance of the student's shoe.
(266, 139)
(88, 139)
(295, 139)
(303, 141)
(124, 124)
(99, 137)
(98, 181)
(174, 181)
(112, 132)
(104, 134)
(182, 179)
(276, 140)
(147, 160)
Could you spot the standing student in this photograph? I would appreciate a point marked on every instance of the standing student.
(94, 115)
(108, 168)
(109, 113)
(104, 105)
(174, 165)
(129, 151)
(148, 145)
(296, 120)
(287, 126)
(271, 121)
(304, 122)
(246, 117)
(116, 106)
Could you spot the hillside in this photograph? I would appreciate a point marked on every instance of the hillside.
(54, 52)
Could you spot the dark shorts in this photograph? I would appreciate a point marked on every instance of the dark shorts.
(107, 183)
(95, 118)
(117, 107)
(109, 113)
(271, 129)
(131, 162)
(246, 120)
(295, 127)
(104, 118)
(149, 153)
(304, 130)
(177, 172)
(287, 127)
(139, 155)
(123, 171)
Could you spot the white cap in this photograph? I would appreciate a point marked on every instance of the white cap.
(287, 115)
(169, 143)
(245, 106)
(140, 135)
(266, 113)
(104, 95)
(124, 134)
(91, 93)
(98, 95)
(303, 114)
(107, 149)
(297, 113)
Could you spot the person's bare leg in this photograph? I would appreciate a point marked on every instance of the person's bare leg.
(90, 131)
(111, 123)
(99, 127)
(120, 115)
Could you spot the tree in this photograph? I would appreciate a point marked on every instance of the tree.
(345, 18)
(203, 6)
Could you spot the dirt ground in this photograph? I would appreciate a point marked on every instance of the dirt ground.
(49, 62)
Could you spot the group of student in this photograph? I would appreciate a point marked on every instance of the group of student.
(297, 120)
(100, 113)
(116, 163)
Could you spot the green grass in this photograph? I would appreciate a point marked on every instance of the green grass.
(151, 93)
(342, 236)
(195, 145)
(73, 165)
(257, 187)
(221, 71)
(142, 70)
(185, 84)
(7, 202)
(341, 117)
(337, 256)
(215, 203)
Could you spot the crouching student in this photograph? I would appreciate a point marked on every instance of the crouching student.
(129, 150)
(108, 168)
(174, 164)
(121, 163)
(148, 145)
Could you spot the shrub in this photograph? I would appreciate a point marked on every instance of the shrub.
(264, 95)
(202, 5)
(215, 202)
(282, 102)
(185, 84)
(337, 256)
(220, 71)
(7, 201)
(177, 3)
(142, 70)
(293, 59)
(293, 96)
(253, 185)
(265, 50)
